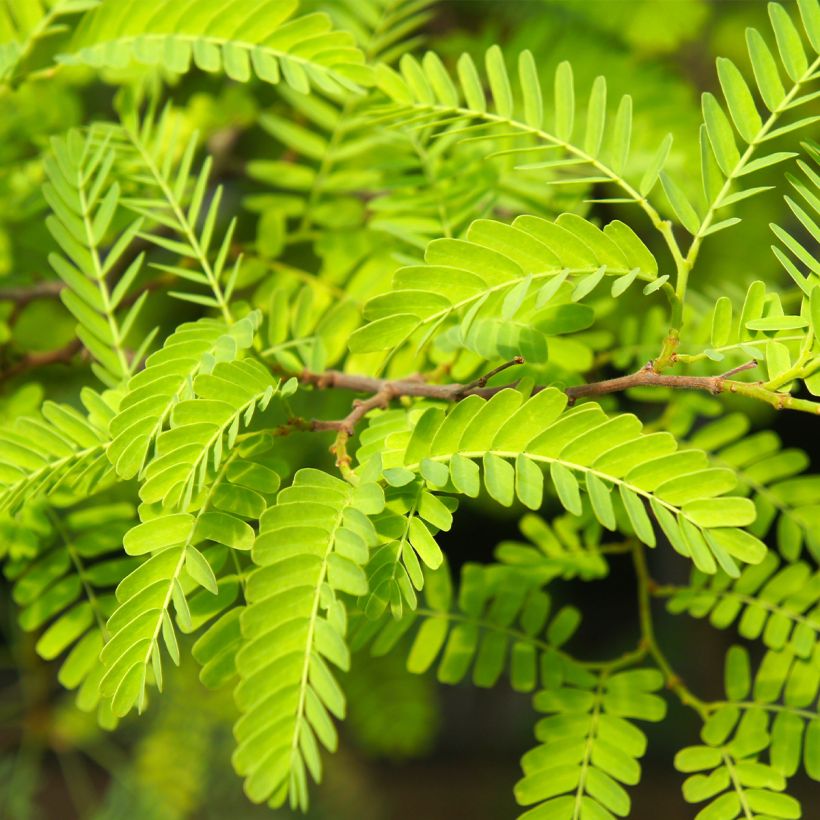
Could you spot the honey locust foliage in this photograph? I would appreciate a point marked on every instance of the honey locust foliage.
(445, 269)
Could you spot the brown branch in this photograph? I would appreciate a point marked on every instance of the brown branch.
(382, 391)
(415, 387)
(361, 407)
(31, 361)
(24, 294)
(482, 380)
(647, 377)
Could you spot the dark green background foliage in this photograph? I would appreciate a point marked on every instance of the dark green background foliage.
(416, 398)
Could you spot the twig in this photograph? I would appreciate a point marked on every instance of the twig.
(673, 680)
(32, 361)
(23, 295)
(648, 377)
(482, 381)
(645, 377)
(346, 427)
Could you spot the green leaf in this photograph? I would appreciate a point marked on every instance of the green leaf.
(383, 333)
(566, 485)
(738, 679)
(564, 101)
(770, 803)
(599, 496)
(722, 512)
(721, 322)
(680, 204)
(530, 89)
(424, 544)
(471, 84)
(788, 42)
(765, 70)
(427, 645)
(740, 544)
(621, 134)
(697, 758)
(739, 100)
(499, 82)
(653, 170)
(810, 13)
(720, 134)
(197, 566)
(499, 478)
(637, 516)
(529, 482)
(167, 531)
(596, 117)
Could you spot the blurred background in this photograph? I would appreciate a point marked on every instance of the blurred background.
(409, 748)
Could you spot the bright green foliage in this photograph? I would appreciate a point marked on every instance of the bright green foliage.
(567, 547)
(383, 29)
(254, 39)
(311, 547)
(84, 204)
(752, 331)
(203, 429)
(197, 469)
(722, 162)
(307, 329)
(169, 203)
(395, 568)
(728, 772)
(501, 622)
(58, 448)
(509, 285)
(427, 88)
(783, 498)
(805, 208)
(167, 379)
(619, 467)
(778, 605)
(65, 590)
(26, 23)
(336, 148)
(234, 234)
(589, 746)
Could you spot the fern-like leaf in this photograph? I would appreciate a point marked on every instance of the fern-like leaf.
(727, 771)
(306, 329)
(589, 744)
(565, 547)
(500, 622)
(428, 89)
(384, 29)
(780, 605)
(178, 564)
(407, 529)
(500, 271)
(203, 428)
(311, 547)
(763, 329)
(65, 589)
(152, 394)
(515, 438)
(25, 25)
(790, 252)
(245, 491)
(176, 201)
(249, 39)
(84, 203)
(722, 163)
(783, 494)
(58, 448)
